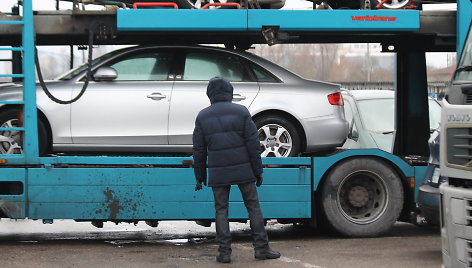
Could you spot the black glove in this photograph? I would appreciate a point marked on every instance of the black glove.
(258, 180)
(204, 181)
(198, 186)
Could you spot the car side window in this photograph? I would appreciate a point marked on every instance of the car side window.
(262, 75)
(154, 66)
(200, 66)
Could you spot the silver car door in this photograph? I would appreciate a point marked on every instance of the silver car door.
(189, 91)
(130, 110)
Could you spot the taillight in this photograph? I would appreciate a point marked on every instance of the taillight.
(335, 99)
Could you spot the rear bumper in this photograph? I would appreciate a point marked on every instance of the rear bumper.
(325, 134)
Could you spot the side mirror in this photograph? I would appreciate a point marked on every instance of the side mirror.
(354, 135)
(105, 73)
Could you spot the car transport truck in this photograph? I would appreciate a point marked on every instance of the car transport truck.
(359, 193)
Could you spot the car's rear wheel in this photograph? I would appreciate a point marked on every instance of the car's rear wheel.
(11, 142)
(278, 137)
(189, 4)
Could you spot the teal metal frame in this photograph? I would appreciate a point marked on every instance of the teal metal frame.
(30, 115)
(161, 193)
(464, 17)
(255, 19)
(30, 129)
(162, 188)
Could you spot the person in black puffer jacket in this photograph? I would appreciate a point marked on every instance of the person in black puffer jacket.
(225, 133)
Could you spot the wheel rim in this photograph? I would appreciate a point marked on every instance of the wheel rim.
(200, 3)
(362, 197)
(10, 141)
(395, 4)
(275, 141)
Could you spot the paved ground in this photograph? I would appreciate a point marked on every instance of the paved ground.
(184, 244)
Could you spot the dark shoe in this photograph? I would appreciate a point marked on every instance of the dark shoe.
(266, 254)
(223, 258)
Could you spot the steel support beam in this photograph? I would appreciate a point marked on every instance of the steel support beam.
(412, 113)
(436, 33)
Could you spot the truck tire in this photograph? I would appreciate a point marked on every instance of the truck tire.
(362, 197)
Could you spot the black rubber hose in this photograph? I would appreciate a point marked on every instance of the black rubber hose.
(87, 77)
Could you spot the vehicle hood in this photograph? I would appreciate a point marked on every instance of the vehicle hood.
(9, 87)
(219, 89)
(11, 91)
(14, 92)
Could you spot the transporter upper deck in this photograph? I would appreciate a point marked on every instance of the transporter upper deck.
(395, 29)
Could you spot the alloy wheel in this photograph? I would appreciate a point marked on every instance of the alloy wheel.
(275, 141)
(10, 141)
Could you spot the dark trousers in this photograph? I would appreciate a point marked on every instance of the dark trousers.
(251, 201)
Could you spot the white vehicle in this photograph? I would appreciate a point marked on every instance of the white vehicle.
(371, 115)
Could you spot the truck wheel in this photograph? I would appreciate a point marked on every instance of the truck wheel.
(362, 197)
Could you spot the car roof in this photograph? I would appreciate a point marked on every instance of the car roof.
(246, 54)
(370, 94)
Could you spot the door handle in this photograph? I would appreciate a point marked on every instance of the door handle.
(156, 96)
(238, 97)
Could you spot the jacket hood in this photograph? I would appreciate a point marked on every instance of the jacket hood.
(219, 89)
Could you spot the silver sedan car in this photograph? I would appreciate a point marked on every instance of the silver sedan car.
(146, 99)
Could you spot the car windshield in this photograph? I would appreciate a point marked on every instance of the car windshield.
(378, 114)
(74, 72)
(434, 114)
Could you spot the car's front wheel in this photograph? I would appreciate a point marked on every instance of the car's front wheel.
(11, 142)
(278, 137)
